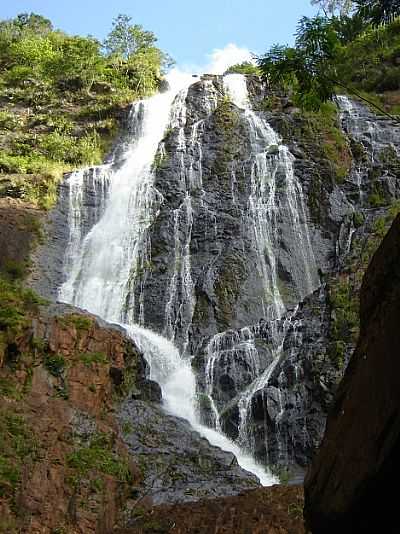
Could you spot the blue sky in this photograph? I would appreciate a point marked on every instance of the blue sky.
(188, 30)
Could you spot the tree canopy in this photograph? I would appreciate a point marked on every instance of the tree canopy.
(334, 7)
(62, 95)
(354, 46)
(31, 49)
(243, 68)
(378, 12)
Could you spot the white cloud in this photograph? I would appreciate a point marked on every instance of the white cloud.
(222, 58)
(219, 60)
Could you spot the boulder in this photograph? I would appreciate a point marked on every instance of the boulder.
(349, 486)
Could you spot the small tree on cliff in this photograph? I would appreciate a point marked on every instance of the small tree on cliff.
(126, 39)
(378, 12)
(309, 67)
(132, 50)
(334, 7)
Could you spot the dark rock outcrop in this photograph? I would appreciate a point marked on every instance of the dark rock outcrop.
(350, 485)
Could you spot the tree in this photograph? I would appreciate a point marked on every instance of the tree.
(126, 39)
(309, 68)
(348, 28)
(21, 27)
(378, 12)
(33, 23)
(34, 53)
(314, 67)
(132, 51)
(79, 58)
(243, 68)
(333, 7)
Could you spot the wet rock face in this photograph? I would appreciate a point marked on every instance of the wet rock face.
(73, 214)
(233, 206)
(348, 487)
(177, 464)
(287, 413)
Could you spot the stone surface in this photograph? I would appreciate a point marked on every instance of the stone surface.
(207, 159)
(20, 224)
(349, 487)
(66, 377)
(179, 465)
(275, 510)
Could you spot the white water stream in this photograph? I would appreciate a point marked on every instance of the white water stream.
(103, 265)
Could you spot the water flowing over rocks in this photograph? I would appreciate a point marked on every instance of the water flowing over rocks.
(226, 245)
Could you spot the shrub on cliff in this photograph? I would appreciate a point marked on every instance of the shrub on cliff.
(62, 95)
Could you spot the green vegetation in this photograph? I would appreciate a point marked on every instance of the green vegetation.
(89, 358)
(345, 318)
(357, 53)
(344, 291)
(321, 135)
(18, 447)
(55, 364)
(16, 304)
(283, 473)
(127, 428)
(98, 456)
(244, 68)
(226, 120)
(61, 96)
(9, 389)
(358, 219)
(369, 64)
(378, 12)
(323, 126)
(80, 322)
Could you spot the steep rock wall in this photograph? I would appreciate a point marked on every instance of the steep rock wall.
(265, 378)
(348, 487)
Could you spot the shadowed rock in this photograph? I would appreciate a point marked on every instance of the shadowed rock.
(348, 487)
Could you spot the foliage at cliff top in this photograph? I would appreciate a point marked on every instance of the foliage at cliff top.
(375, 12)
(358, 54)
(243, 68)
(60, 95)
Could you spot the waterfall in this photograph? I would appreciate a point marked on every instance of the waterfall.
(115, 252)
(275, 192)
(106, 268)
(96, 182)
(178, 384)
(268, 204)
(374, 135)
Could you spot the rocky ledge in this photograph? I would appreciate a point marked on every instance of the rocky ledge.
(84, 440)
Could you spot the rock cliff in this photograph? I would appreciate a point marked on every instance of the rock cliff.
(84, 442)
(349, 487)
(216, 257)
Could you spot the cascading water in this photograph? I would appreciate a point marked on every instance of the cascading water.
(80, 220)
(106, 267)
(178, 384)
(374, 133)
(272, 169)
(275, 194)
